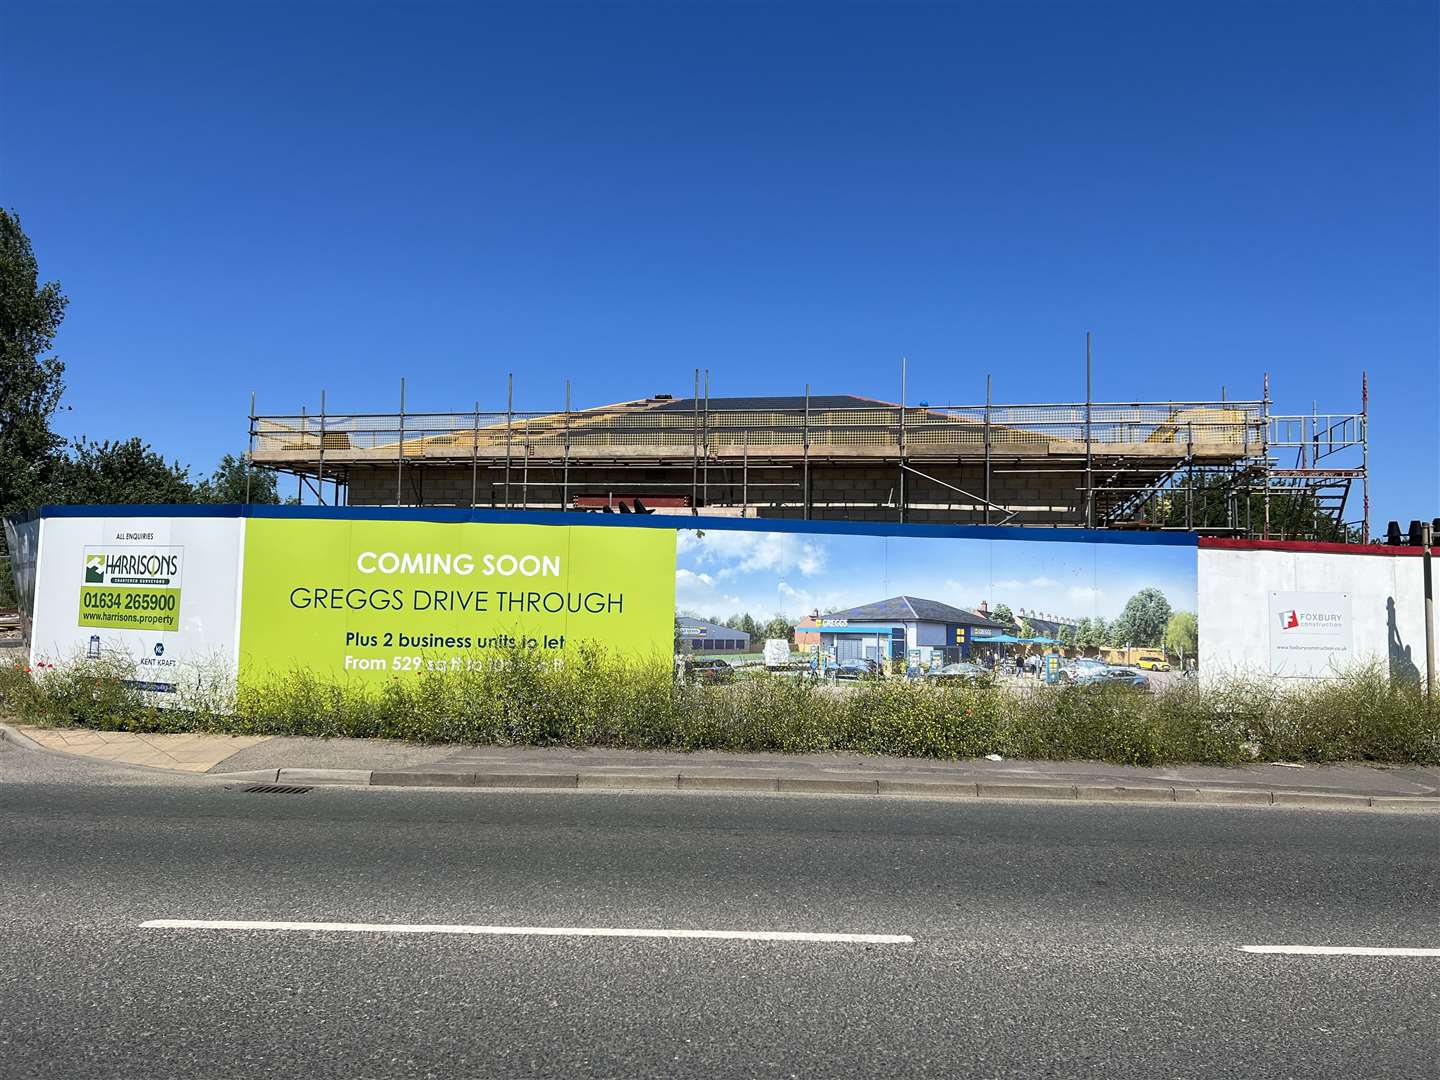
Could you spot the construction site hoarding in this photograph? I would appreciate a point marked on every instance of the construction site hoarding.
(186, 595)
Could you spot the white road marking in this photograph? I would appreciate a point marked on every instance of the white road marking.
(521, 931)
(1337, 950)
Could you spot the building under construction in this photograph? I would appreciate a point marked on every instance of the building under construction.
(1221, 467)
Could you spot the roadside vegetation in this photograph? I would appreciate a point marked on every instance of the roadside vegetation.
(522, 698)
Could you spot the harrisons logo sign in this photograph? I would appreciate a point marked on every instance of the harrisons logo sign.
(131, 588)
(1311, 634)
(131, 567)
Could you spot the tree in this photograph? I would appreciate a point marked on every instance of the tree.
(30, 382)
(1002, 614)
(1144, 619)
(750, 626)
(235, 480)
(1068, 635)
(778, 627)
(1224, 501)
(1094, 633)
(1182, 635)
(118, 472)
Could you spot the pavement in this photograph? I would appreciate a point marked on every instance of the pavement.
(1107, 940)
(386, 763)
(185, 752)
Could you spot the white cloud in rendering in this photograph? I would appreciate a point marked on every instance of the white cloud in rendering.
(700, 592)
(734, 552)
(1032, 583)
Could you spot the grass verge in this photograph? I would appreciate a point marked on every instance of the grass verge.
(521, 698)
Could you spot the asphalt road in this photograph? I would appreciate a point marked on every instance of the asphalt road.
(1049, 940)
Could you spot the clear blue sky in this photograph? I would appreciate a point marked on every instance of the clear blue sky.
(723, 573)
(285, 197)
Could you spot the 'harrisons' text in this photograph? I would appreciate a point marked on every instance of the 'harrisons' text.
(462, 564)
(479, 601)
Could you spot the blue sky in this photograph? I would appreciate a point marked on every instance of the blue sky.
(284, 198)
(722, 573)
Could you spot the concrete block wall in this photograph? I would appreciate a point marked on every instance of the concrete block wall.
(838, 492)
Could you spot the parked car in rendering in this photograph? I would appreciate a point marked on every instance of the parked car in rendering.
(963, 672)
(1080, 666)
(1111, 675)
(1152, 662)
(856, 669)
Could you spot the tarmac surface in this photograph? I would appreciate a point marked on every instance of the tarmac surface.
(1044, 940)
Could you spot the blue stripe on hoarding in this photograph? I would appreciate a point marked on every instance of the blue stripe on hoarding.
(1038, 534)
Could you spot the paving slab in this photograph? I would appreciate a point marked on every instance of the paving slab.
(196, 753)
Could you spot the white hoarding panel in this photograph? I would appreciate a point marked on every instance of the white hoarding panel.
(161, 591)
(1311, 633)
(1243, 592)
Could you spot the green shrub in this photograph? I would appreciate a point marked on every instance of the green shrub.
(525, 697)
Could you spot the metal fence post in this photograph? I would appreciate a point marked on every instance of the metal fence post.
(475, 458)
(300, 470)
(565, 466)
(509, 425)
(988, 498)
(1427, 539)
(904, 363)
(320, 476)
(250, 454)
(1089, 441)
(805, 450)
(695, 447)
(745, 475)
(400, 452)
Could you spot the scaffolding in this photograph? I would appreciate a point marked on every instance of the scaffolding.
(1221, 467)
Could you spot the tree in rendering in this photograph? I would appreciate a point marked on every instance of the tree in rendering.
(1094, 633)
(1182, 635)
(1002, 614)
(1144, 619)
(779, 627)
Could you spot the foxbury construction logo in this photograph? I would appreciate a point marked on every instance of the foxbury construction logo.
(1310, 633)
(1327, 621)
